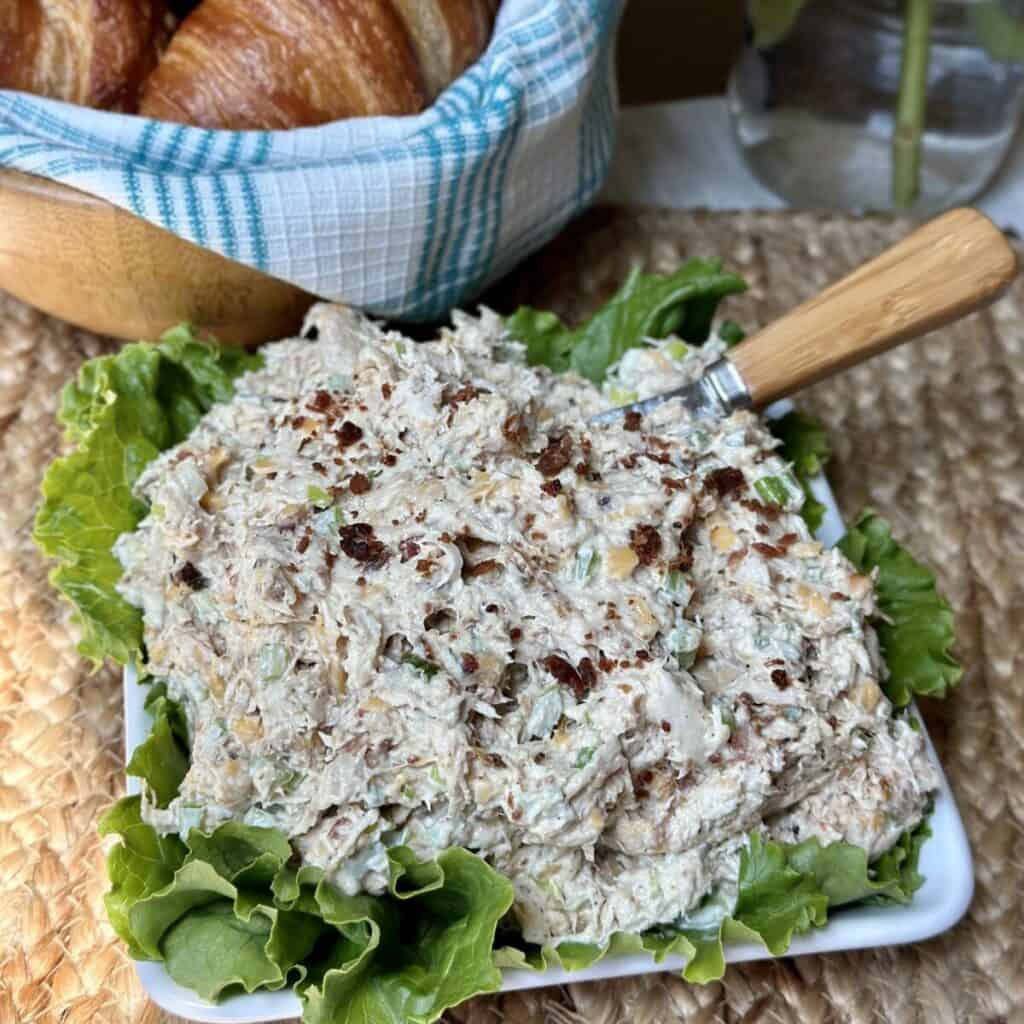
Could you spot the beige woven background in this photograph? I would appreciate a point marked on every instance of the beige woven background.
(931, 435)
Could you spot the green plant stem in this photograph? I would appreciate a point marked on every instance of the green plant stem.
(913, 95)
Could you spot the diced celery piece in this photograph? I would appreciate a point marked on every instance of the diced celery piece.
(677, 583)
(621, 396)
(273, 662)
(318, 496)
(584, 757)
(428, 668)
(676, 349)
(772, 489)
(683, 642)
(585, 564)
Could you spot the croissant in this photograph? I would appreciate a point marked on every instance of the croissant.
(93, 52)
(447, 36)
(277, 64)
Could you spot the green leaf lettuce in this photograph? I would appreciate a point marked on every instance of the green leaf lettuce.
(228, 912)
(120, 413)
(646, 306)
(915, 628)
(804, 444)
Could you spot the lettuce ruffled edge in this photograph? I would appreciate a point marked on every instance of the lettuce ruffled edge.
(229, 912)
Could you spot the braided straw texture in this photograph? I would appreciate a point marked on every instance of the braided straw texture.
(932, 435)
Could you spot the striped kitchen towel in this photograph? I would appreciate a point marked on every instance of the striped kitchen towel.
(403, 216)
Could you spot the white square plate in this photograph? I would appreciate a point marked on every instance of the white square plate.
(937, 905)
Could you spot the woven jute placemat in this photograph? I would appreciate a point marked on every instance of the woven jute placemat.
(932, 435)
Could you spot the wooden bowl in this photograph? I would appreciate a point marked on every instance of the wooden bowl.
(91, 263)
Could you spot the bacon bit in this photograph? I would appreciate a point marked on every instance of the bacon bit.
(388, 459)
(329, 559)
(684, 559)
(647, 776)
(552, 487)
(319, 467)
(348, 434)
(768, 550)
(421, 515)
(628, 461)
(361, 581)
(408, 549)
(787, 539)
(467, 393)
(762, 529)
(780, 678)
(321, 401)
(632, 420)
(303, 542)
(770, 512)
(359, 484)
(833, 722)
(580, 469)
(566, 675)
(468, 542)
(611, 613)
(488, 565)
(360, 544)
(666, 726)
(671, 484)
(188, 574)
(514, 429)
(424, 566)
(646, 543)
(303, 443)
(837, 595)
(715, 758)
(556, 456)
(587, 673)
(528, 520)
(385, 390)
(643, 656)
(725, 480)
(515, 634)
(605, 664)
(469, 664)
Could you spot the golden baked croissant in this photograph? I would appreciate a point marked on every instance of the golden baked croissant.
(93, 52)
(275, 64)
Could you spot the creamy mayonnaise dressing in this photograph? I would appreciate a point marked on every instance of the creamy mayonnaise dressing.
(407, 594)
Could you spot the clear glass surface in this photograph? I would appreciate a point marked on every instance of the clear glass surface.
(814, 113)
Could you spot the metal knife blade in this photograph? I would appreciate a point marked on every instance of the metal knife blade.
(718, 391)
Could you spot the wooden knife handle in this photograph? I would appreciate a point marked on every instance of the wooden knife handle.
(948, 268)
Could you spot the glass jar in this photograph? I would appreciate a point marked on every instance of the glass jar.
(820, 118)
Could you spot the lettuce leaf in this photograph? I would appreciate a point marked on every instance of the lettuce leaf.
(120, 413)
(230, 911)
(784, 889)
(162, 760)
(646, 306)
(227, 912)
(915, 628)
(804, 444)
